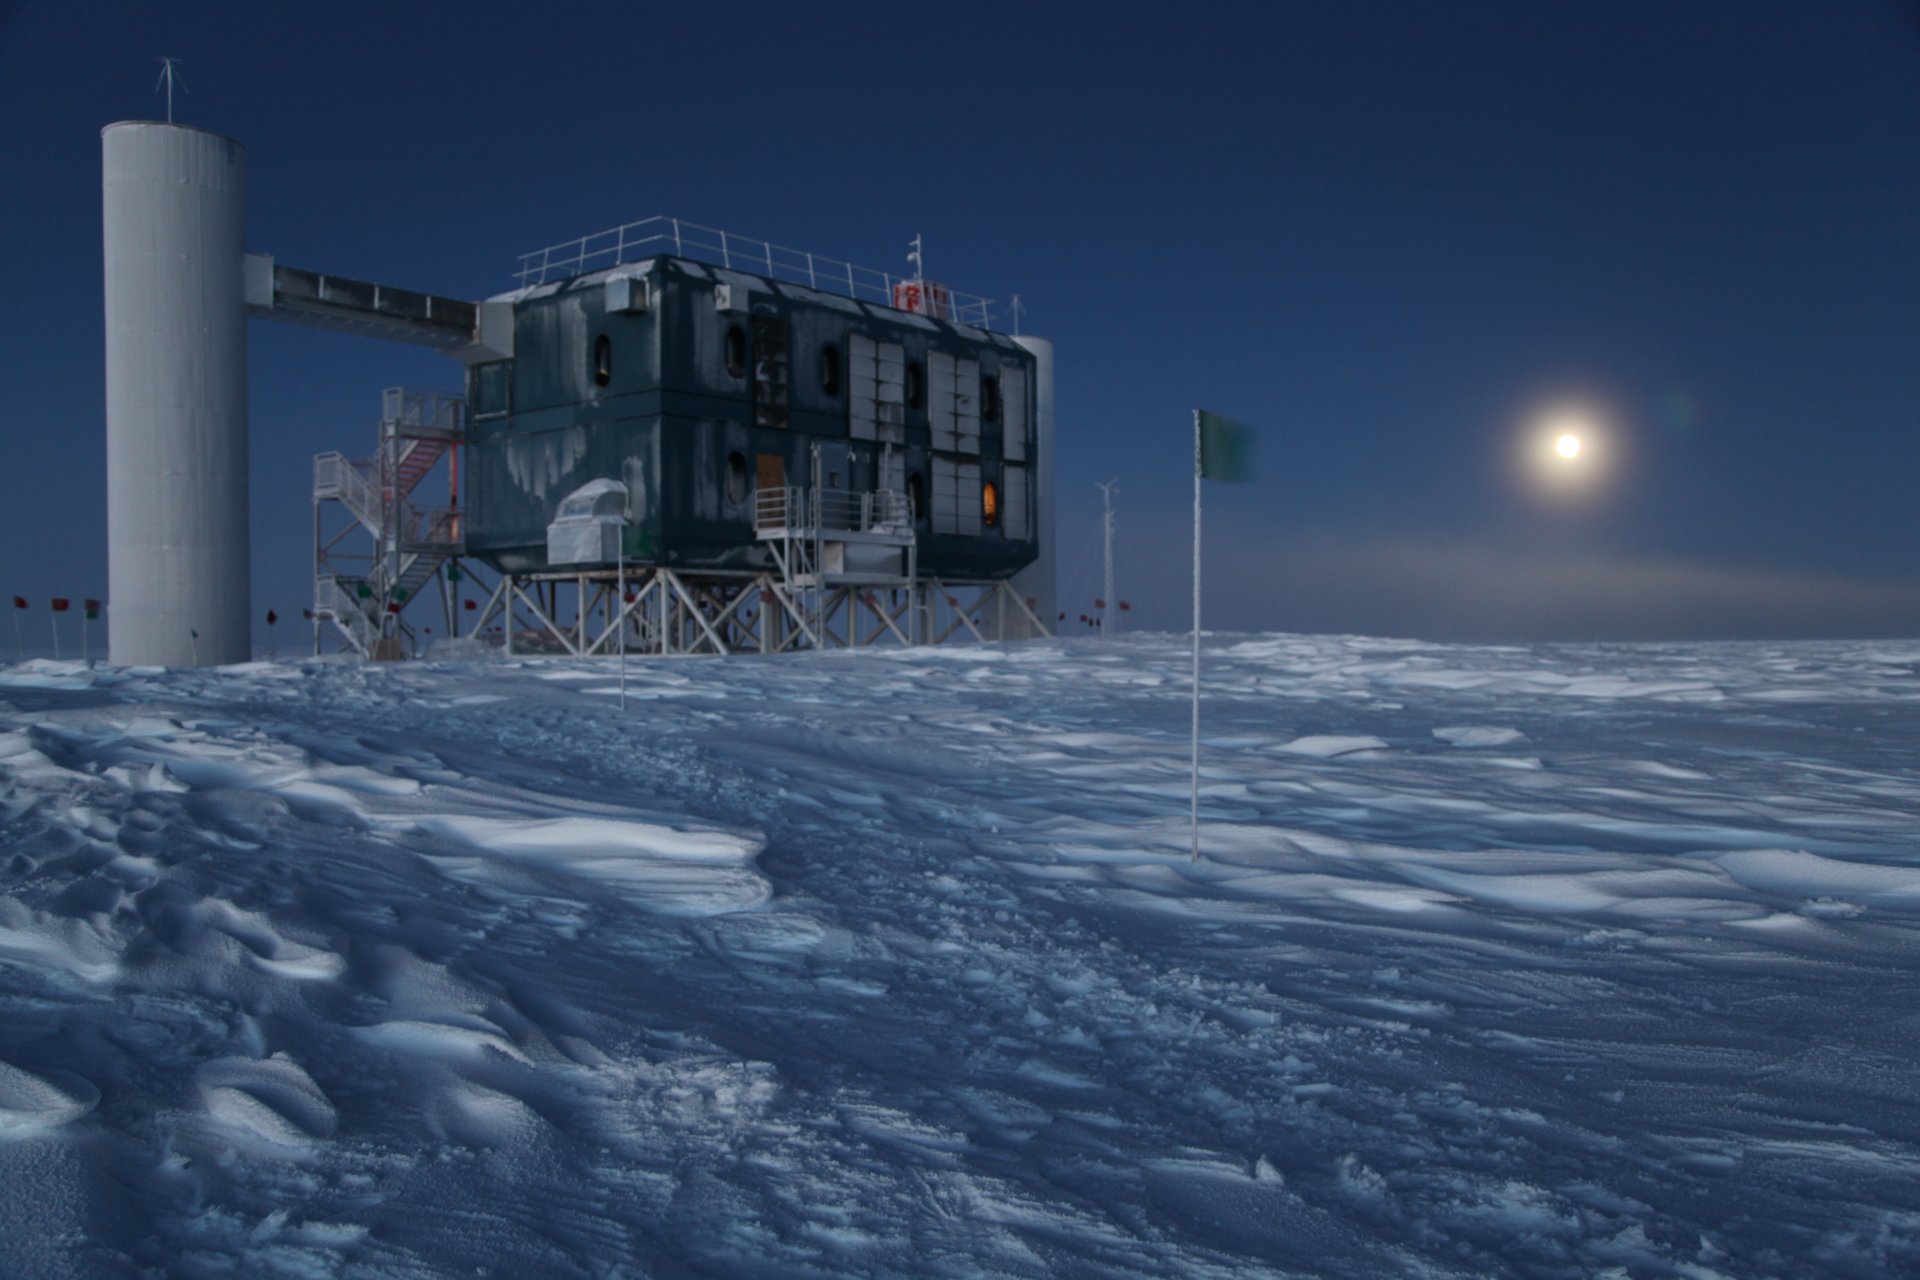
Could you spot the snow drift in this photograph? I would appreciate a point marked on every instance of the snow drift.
(1549, 961)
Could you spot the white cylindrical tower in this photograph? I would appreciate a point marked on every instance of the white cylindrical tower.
(174, 205)
(1036, 579)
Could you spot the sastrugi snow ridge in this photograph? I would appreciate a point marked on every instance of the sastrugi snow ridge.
(1544, 961)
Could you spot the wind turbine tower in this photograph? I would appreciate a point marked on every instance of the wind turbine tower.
(1109, 610)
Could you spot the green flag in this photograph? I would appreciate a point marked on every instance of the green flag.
(1225, 448)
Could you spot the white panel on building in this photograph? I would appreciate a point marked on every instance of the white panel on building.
(890, 391)
(946, 496)
(956, 496)
(1013, 503)
(863, 369)
(1036, 581)
(969, 497)
(966, 405)
(940, 382)
(953, 403)
(1013, 411)
(876, 389)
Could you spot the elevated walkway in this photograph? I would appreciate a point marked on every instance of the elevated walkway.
(319, 301)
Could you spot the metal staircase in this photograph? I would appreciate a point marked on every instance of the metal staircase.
(363, 596)
(831, 544)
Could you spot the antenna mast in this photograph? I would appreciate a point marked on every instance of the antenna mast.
(167, 75)
(913, 256)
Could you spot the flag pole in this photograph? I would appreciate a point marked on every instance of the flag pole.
(1197, 464)
(620, 614)
(19, 639)
(53, 617)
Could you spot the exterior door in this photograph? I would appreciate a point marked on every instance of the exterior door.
(770, 488)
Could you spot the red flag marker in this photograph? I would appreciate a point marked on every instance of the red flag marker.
(1125, 607)
(93, 609)
(1099, 604)
(19, 602)
(473, 606)
(272, 617)
(60, 604)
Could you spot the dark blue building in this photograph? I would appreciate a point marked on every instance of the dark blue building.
(706, 390)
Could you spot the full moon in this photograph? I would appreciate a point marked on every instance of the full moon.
(1567, 453)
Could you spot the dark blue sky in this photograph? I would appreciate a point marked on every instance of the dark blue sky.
(1387, 234)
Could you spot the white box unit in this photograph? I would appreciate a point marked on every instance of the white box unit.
(587, 527)
(626, 294)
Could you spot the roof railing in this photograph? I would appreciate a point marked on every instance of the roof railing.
(651, 237)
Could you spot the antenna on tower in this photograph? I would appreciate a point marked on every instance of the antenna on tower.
(1016, 315)
(167, 76)
(913, 256)
(1109, 603)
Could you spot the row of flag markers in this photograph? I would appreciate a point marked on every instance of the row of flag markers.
(1222, 450)
(90, 612)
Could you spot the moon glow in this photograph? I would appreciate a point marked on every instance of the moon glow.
(1566, 454)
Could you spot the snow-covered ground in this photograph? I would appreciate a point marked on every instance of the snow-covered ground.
(1547, 961)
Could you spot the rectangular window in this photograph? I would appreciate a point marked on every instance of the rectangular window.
(770, 372)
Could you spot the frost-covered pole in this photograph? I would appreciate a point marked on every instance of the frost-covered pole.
(1195, 857)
